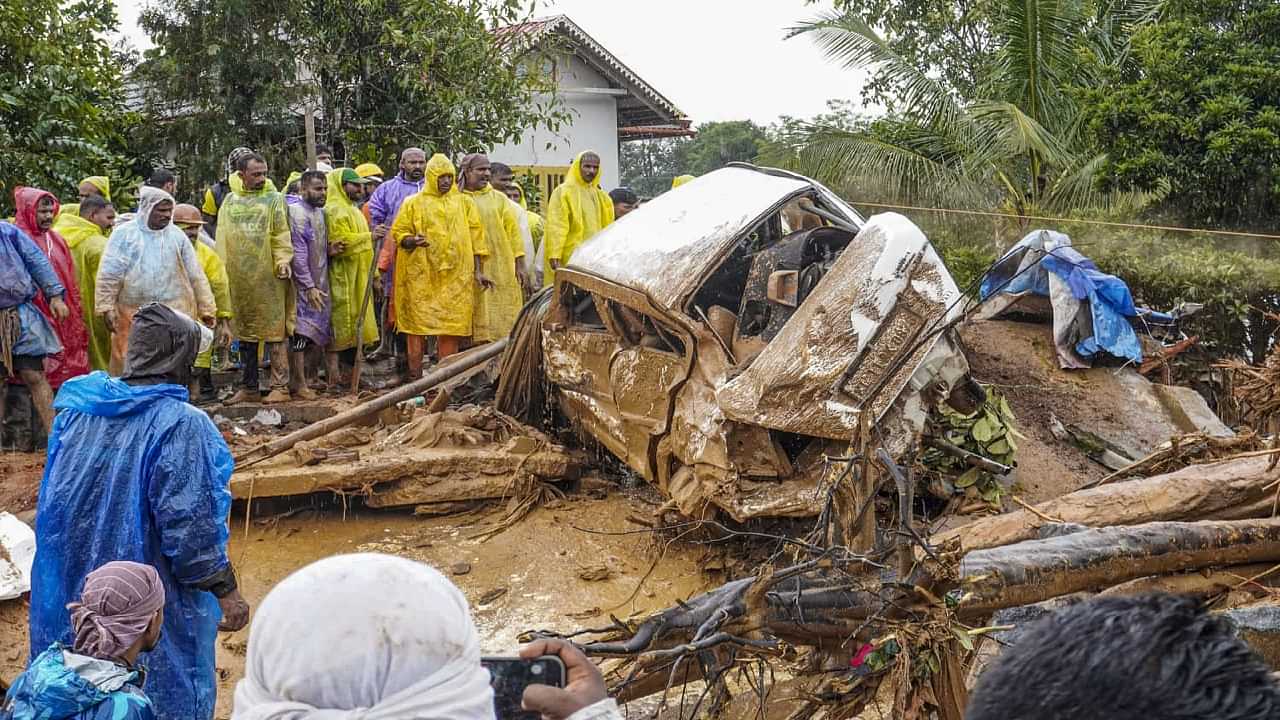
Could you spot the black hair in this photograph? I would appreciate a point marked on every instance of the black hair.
(1127, 658)
(243, 164)
(160, 177)
(92, 204)
(624, 195)
(322, 149)
(503, 168)
(309, 175)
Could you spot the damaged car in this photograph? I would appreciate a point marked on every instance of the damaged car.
(729, 337)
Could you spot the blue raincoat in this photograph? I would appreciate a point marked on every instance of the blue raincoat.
(136, 473)
(61, 685)
(23, 271)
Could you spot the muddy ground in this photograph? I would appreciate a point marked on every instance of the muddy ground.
(20, 480)
(533, 568)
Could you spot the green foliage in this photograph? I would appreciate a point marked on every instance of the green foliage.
(62, 115)
(381, 74)
(988, 431)
(952, 40)
(1202, 114)
(649, 166)
(1012, 144)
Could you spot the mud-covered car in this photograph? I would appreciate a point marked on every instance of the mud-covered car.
(725, 339)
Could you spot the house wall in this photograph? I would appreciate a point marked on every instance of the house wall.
(594, 126)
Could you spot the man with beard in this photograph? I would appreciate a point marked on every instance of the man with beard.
(576, 211)
(384, 205)
(36, 211)
(309, 233)
(350, 254)
(137, 473)
(497, 308)
(97, 677)
(86, 235)
(255, 243)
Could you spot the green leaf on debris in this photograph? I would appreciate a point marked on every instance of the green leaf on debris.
(969, 478)
(982, 431)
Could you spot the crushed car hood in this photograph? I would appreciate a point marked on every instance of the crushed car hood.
(856, 340)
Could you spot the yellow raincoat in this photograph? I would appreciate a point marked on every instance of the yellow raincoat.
(217, 276)
(496, 309)
(434, 285)
(87, 243)
(576, 211)
(253, 238)
(102, 182)
(349, 269)
(209, 206)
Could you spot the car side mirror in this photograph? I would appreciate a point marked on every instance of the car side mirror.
(784, 287)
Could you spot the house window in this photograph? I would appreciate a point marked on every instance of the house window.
(549, 177)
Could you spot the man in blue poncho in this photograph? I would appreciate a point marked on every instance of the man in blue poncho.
(136, 473)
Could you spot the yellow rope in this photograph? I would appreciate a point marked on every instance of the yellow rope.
(1108, 223)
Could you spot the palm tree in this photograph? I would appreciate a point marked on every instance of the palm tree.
(1019, 148)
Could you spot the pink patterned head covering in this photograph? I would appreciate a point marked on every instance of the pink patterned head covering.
(117, 604)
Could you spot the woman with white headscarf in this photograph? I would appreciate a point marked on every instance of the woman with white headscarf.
(149, 259)
(378, 637)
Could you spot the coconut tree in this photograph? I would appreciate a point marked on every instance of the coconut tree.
(1017, 147)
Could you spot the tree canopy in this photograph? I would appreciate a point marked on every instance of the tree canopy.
(1201, 114)
(649, 166)
(382, 74)
(62, 113)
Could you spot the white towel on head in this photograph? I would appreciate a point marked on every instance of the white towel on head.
(367, 637)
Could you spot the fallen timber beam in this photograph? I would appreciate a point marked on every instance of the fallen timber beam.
(451, 368)
(1037, 570)
(1249, 578)
(1226, 490)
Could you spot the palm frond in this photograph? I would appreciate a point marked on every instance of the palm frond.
(1010, 132)
(1076, 189)
(1037, 60)
(848, 40)
(916, 166)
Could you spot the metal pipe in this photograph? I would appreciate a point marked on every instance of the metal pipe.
(973, 459)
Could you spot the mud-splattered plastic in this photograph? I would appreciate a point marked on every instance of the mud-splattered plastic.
(136, 473)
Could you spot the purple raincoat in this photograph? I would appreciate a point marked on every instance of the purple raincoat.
(310, 268)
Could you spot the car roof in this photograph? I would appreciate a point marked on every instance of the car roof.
(666, 246)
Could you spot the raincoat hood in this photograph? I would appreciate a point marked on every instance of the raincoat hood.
(25, 200)
(575, 171)
(148, 199)
(335, 196)
(60, 684)
(101, 182)
(439, 165)
(75, 229)
(163, 344)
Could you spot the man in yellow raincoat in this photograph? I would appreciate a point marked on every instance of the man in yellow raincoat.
(440, 248)
(576, 210)
(496, 309)
(255, 244)
(189, 219)
(350, 256)
(99, 185)
(85, 233)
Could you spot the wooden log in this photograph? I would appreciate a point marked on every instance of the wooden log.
(452, 367)
(1229, 489)
(1250, 578)
(1037, 570)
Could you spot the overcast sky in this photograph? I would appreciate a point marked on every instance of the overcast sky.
(715, 59)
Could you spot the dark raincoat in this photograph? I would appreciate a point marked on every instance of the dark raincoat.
(136, 473)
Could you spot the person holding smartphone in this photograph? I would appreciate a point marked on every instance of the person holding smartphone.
(407, 649)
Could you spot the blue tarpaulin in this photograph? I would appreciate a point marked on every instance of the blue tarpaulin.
(1030, 267)
(136, 473)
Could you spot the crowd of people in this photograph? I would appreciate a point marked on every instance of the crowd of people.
(452, 254)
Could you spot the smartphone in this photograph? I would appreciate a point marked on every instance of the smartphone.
(509, 677)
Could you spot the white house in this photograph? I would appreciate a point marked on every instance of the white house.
(609, 105)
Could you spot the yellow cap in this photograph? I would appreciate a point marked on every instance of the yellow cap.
(369, 170)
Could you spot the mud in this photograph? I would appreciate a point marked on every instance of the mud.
(20, 480)
(538, 561)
